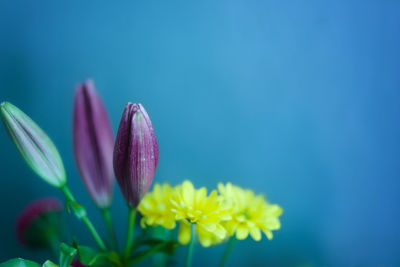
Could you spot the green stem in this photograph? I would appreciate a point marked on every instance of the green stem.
(131, 231)
(107, 218)
(228, 251)
(94, 233)
(68, 195)
(190, 249)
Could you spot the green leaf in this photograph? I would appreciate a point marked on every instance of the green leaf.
(152, 234)
(34, 145)
(156, 246)
(93, 257)
(18, 262)
(49, 263)
(67, 254)
(158, 232)
(160, 259)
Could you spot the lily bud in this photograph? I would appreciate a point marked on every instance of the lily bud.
(93, 144)
(135, 154)
(34, 145)
(39, 224)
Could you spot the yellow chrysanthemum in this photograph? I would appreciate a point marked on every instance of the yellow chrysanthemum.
(251, 213)
(156, 207)
(192, 205)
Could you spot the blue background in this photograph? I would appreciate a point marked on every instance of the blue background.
(296, 99)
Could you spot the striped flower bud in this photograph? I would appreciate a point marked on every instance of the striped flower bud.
(34, 145)
(93, 144)
(135, 154)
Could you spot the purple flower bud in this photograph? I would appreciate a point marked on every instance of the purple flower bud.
(135, 154)
(39, 223)
(93, 144)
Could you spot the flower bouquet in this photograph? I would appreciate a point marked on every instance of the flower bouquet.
(222, 216)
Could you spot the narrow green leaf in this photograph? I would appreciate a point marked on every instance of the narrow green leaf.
(156, 246)
(33, 144)
(18, 262)
(93, 257)
(153, 242)
(49, 263)
(160, 259)
(67, 254)
(113, 257)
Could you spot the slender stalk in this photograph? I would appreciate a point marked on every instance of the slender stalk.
(190, 249)
(68, 195)
(228, 251)
(131, 231)
(107, 218)
(94, 233)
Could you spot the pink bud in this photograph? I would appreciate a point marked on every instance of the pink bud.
(39, 222)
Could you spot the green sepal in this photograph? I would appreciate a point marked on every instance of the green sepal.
(34, 145)
(67, 254)
(77, 209)
(49, 263)
(18, 262)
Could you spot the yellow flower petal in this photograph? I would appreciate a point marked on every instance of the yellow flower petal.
(250, 213)
(209, 227)
(156, 207)
(255, 234)
(187, 193)
(184, 233)
(269, 234)
(208, 238)
(143, 223)
(241, 233)
(201, 194)
(205, 241)
(220, 231)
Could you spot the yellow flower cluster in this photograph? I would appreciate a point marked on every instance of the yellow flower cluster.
(229, 211)
(250, 213)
